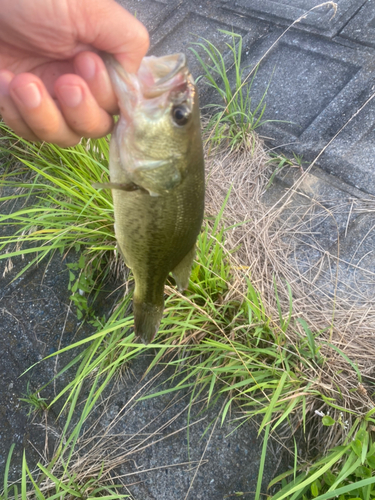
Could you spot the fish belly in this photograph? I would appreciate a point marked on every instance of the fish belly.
(156, 235)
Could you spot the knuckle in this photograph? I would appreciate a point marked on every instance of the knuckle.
(94, 126)
(47, 131)
(19, 127)
(67, 143)
(57, 134)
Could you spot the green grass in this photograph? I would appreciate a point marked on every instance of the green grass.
(346, 472)
(224, 347)
(34, 402)
(218, 335)
(68, 214)
(241, 352)
(218, 346)
(233, 121)
(56, 480)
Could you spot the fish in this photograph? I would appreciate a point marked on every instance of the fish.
(156, 166)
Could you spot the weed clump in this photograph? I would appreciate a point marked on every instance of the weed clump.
(233, 120)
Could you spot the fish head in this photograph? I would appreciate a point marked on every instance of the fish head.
(158, 125)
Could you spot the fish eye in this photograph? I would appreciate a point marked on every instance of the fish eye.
(180, 115)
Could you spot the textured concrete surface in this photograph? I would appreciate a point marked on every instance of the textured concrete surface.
(214, 460)
(285, 12)
(320, 74)
(34, 315)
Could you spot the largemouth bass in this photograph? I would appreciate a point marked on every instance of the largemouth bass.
(157, 179)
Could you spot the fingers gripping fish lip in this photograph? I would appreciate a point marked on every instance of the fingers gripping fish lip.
(126, 85)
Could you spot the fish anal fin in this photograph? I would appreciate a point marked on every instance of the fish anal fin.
(118, 247)
(181, 273)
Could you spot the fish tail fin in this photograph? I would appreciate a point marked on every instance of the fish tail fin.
(147, 319)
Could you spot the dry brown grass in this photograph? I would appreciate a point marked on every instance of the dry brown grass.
(280, 241)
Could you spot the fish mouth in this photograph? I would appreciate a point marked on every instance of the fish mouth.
(159, 74)
(165, 68)
(156, 75)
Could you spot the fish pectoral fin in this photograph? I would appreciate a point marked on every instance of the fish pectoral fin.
(125, 186)
(157, 177)
(181, 273)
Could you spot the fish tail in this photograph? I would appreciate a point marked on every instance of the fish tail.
(147, 319)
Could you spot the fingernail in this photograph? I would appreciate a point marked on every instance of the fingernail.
(29, 95)
(71, 95)
(86, 67)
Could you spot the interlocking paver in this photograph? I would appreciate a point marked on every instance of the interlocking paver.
(193, 21)
(361, 28)
(150, 12)
(352, 157)
(285, 12)
(356, 269)
(327, 223)
(303, 74)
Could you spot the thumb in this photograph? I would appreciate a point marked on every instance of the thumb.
(107, 26)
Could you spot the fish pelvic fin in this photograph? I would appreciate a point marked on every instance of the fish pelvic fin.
(147, 319)
(181, 273)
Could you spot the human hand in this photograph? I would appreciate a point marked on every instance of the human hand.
(53, 86)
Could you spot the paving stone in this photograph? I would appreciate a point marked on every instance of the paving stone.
(319, 185)
(314, 87)
(351, 157)
(352, 277)
(195, 21)
(150, 12)
(361, 28)
(318, 212)
(285, 12)
(303, 75)
(181, 37)
(333, 234)
(328, 182)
